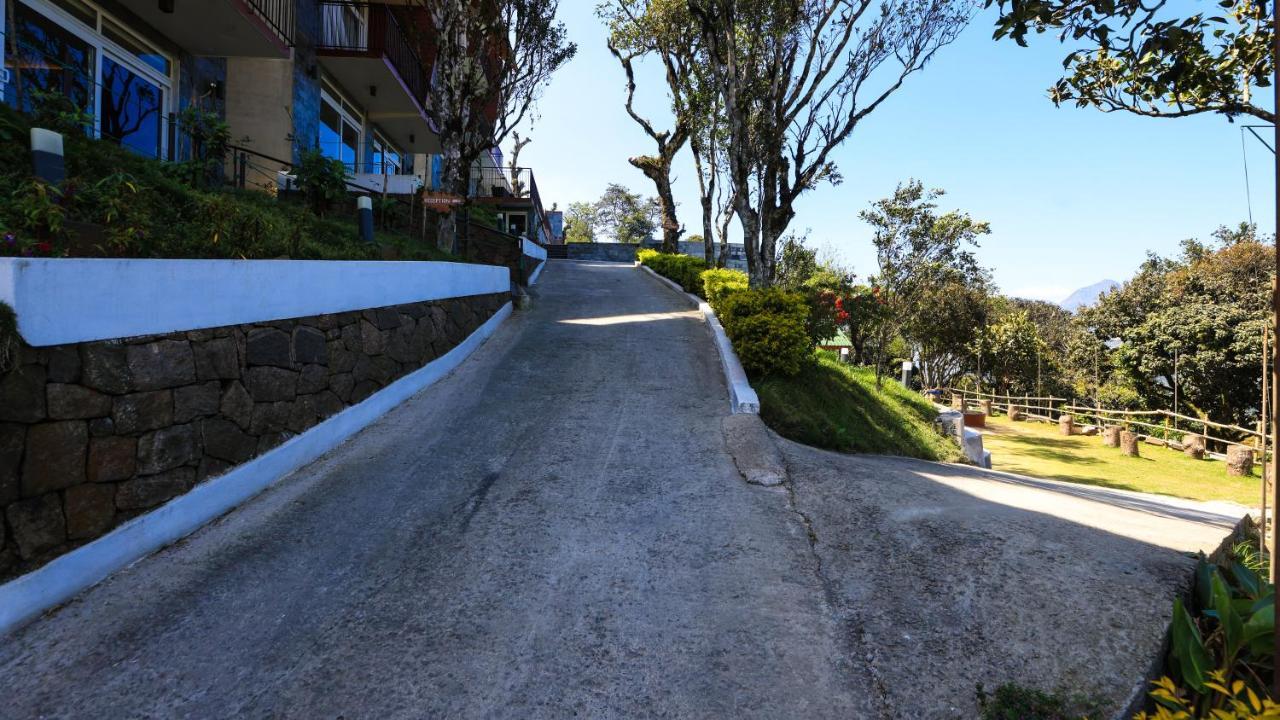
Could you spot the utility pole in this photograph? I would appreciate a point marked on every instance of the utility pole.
(1273, 465)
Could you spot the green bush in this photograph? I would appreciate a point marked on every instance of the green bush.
(684, 270)
(767, 328)
(719, 282)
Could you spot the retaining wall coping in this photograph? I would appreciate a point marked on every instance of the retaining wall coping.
(70, 300)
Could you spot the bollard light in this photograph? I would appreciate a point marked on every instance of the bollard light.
(364, 217)
(46, 156)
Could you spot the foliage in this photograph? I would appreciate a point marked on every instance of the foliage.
(142, 208)
(684, 270)
(866, 310)
(1147, 59)
(625, 215)
(580, 223)
(1202, 311)
(1117, 396)
(210, 138)
(323, 180)
(832, 405)
(1239, 702)
(926, 265)
(718, 283)
(55, 111)
(1011, 350)
(1014, 702)
(767, 327)
(792, 80)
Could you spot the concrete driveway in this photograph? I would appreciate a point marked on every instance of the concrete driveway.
(557, 529)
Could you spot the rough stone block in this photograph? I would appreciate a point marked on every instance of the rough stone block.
(400, 347)
(75, 402)
(216, 359)
(102, 427)
(168, 448)
(351, 338)
(211, 467)
(112, 459)
(270, 417)
(341, 385)
(328, 404)
(268, 347)
(302, 416)
(1239, 461)
(371, 339)
(225, 441)
(37, 524)
(22, 395)
(55, 457)
(1111, 436)
(105, 367)
(1066, 425)
(363, 390)
(196, 401)
(271, 441)
(162, 364)
(313, 379)
(143, 411)
(237, 405)
(13, 439)
(151, 490)
(90, 510)
(309, 346)
(271, 384)
(1129, 443)
(1193, 447)
(64, 364)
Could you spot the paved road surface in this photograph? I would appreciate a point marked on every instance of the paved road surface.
(558, 530)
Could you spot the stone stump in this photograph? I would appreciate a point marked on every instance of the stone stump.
(957, 402)
(1129, 443)
(1015, 413)
(986, 407)
(1066, 424)
(1111, 436)
(1193, 447)
(1239, 461)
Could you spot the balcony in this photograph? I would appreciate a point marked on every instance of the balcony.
(366, 48)
(223, 28)
(511, 189)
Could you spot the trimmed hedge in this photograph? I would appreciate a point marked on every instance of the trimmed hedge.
(684, 270)
(767, 328)
(718, 283)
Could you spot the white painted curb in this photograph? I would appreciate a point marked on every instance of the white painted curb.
(970, 439)
(70, 300)
(532, 249)
(24, 598)
(742, 397)
(533, 277)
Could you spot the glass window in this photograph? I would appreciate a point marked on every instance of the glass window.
(130, 108)
(49, 59)
(339, 136)
(79, 11)
(144, 53)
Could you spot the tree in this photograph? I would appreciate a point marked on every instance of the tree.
(626, 215)
(794, 79)
(924, 259)
(493, 59)
(580, 223)
(660, 29)
(1149, 59)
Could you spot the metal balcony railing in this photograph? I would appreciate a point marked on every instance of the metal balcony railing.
(278, 14)
(373, 29)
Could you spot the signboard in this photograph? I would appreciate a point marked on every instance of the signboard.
(441, 202)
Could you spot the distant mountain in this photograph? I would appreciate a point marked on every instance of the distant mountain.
(1088, 295)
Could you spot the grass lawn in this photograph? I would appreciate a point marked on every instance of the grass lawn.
(1036, 449)
(838, 407)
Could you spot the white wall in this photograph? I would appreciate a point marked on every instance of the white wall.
(69, 300)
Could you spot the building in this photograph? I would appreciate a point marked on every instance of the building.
(348, 78)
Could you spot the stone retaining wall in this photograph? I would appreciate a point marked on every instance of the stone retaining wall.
(92, 434)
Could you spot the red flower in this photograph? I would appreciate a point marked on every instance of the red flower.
(44, 247)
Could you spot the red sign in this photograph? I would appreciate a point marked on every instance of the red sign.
(441, 202)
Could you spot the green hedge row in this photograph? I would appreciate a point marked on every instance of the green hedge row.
(767, 326)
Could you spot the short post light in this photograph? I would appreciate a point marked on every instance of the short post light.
(46, 156)
(364, 217)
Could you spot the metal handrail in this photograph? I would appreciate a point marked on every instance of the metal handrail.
(378, 33)
(277, 14)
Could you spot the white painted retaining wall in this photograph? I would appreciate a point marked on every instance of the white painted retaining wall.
(532, 249)
(68, 300)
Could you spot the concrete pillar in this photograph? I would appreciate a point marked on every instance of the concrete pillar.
(1193, 447)
(986, 407)
(1111, 436)
(1129, 443)
(1239, 461)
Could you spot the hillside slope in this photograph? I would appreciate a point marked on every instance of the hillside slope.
(835, 406)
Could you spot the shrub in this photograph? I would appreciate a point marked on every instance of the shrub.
(684, 270)
(767, 328)
(719, 282)
(644, 254)
(322, 180)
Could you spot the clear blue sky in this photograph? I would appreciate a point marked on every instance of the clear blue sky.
(1073, 195)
